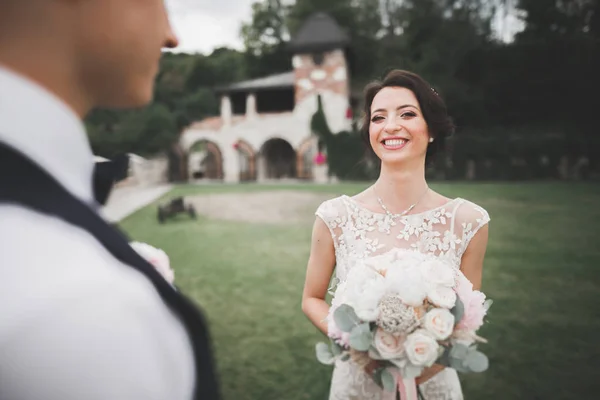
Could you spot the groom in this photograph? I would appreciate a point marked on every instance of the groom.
(82, 316)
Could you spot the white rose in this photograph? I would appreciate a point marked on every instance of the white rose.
(421, 348)
(408, 284)
(364, 288)
(388, 345)
(438, 273)
(442, 296)
(157, 258)
(440, 323)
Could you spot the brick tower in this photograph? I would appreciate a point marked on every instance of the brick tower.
(320, 69)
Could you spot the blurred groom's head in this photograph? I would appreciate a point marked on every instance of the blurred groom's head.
(91, 53)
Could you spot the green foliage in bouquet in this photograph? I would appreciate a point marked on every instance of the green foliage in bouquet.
(454, 354)
(361, 337)
(345, 318)
(487, 304)
(325, 354)
(458, 310)
(384, 378)
(464, 358)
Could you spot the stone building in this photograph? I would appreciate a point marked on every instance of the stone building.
(263, 131)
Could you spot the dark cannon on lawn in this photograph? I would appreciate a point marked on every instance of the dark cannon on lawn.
(174, 207)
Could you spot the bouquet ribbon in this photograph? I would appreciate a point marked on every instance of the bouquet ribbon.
(406, 389)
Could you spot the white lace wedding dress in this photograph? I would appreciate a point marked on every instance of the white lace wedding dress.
(359, 233)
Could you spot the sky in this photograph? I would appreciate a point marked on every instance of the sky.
(202, 25)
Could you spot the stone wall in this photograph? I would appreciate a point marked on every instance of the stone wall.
(146, 172)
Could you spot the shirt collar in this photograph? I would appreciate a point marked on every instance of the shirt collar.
(41, 126)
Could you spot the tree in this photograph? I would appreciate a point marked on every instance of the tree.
(265, 38)
(547, 20)
(222, 66)
(147, 132)
(199, 105)
(347, 155)
(171, 81)
(153, 128)
(267, 29)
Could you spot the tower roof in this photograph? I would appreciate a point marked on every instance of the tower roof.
(320, 32)
(276, 81)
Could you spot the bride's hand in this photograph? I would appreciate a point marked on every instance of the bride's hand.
(363, 360)
(371, 367)
(429, 373)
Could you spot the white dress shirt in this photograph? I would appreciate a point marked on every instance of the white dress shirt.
(75, 323)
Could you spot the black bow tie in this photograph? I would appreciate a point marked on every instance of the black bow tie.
(106, 174)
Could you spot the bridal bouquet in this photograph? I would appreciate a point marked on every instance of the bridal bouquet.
(407, 312)
(157, 257)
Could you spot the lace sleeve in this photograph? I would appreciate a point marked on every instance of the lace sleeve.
(332, 212)
(470, 219)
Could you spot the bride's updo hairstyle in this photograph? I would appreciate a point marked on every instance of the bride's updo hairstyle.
(432, 106)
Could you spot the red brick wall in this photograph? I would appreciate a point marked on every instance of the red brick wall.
(332, 61)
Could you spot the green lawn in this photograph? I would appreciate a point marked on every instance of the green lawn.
(541, 269)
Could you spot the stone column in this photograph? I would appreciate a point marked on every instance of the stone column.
(261, 168)
(231, 167)
(470, 170)
(563, 168)
(194, 160)
(251, 106)
(226, 111)
(320, 173)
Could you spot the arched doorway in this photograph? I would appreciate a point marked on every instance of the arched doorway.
(246, 160)
(279, 159)
(205, 160)
(304, 158)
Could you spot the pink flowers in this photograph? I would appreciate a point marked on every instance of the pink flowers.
(157, 258)
(473, 301)
(320, 159)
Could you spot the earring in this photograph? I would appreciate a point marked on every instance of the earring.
(430, 140)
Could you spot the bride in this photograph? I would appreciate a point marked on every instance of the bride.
(405, 121)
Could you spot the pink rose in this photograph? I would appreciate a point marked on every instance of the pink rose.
(421, 348)
(473, 301)
(439, 322)
(389, 345)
